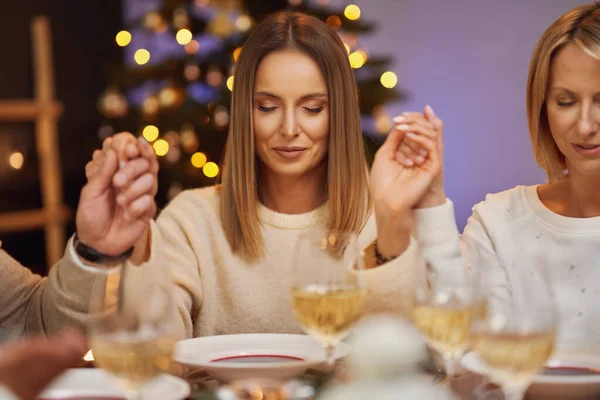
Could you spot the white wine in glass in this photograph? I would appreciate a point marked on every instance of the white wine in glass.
(516, 336)
(443, 308)
(130, 330)
(327, 312)
(446, 327)
(328, 292)
(132, 360)
(514, 356)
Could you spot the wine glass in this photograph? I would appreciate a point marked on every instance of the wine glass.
(443, 307)
(328, 290)
(516, 336)
(130, 327)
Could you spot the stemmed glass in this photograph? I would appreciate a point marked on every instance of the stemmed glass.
(328, 290)
(443, 307)
(516, 336)
(131, 325)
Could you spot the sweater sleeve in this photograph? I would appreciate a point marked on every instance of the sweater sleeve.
(446, 250)
(66, 299)
(438, 238)
(35, 305)
(391, 285)
(21, 293)
(481, 253)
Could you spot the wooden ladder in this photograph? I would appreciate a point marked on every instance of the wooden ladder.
(45, 111)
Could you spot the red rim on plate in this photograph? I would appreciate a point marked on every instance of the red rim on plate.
(568, 370)
(86, 397)
(246, 356)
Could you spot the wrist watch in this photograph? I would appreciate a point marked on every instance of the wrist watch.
(93, 256)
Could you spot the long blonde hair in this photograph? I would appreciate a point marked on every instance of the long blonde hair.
(582, 27)
(347, 185)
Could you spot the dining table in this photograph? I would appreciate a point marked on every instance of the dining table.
(464, 386)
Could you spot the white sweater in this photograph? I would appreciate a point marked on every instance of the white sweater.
(515, 229)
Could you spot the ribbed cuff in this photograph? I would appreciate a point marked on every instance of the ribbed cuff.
(435, 225)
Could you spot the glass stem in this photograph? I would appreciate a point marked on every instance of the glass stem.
(132, 394)
(449, 364)
(329, 350)
(514, 391)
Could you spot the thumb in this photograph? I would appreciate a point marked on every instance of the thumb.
(392, 142)
(103, 177)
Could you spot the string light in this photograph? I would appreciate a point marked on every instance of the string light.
(16, 160)
(155, 22)
(214, 77)
(180, 18)
(161, 147)
(150, 105)
(334, 21)
(105, 131)
(172, 138)
(150, 133)
(221, 117)
(357, 60)
(191, 72)
(192, 47)
(189, 140)
(352, 12)
(198, 159)
(112, 103)
(230, 83)
(183, 36)
(123, 38)
(389, 79)
(173, 155)
(236, 53)
(243, 23)
(363, 54)
(210, 169)
(141, 56)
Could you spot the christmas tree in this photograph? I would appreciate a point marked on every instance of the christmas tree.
(174, 86)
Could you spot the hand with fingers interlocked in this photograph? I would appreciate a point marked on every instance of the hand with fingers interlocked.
(406, 174)
(117, 203)
(413, 153)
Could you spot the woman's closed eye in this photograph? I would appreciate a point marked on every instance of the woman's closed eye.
(311, 110)
(565, 103)
(266, 109)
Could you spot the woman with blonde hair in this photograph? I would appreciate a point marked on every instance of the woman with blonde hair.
(560, 219)
(294, 161)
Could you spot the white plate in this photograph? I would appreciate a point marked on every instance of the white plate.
(81, 383)
(576, 386)
(231, 357)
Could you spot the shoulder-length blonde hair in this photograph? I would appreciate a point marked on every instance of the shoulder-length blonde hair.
(347, 186)
(582, 27)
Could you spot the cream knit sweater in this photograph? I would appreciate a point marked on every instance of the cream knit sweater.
(218, 292)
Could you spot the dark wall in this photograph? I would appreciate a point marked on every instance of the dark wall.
(83, 48)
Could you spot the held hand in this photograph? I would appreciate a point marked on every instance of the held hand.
(395, 187)
(117, 203)
(411, 153)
